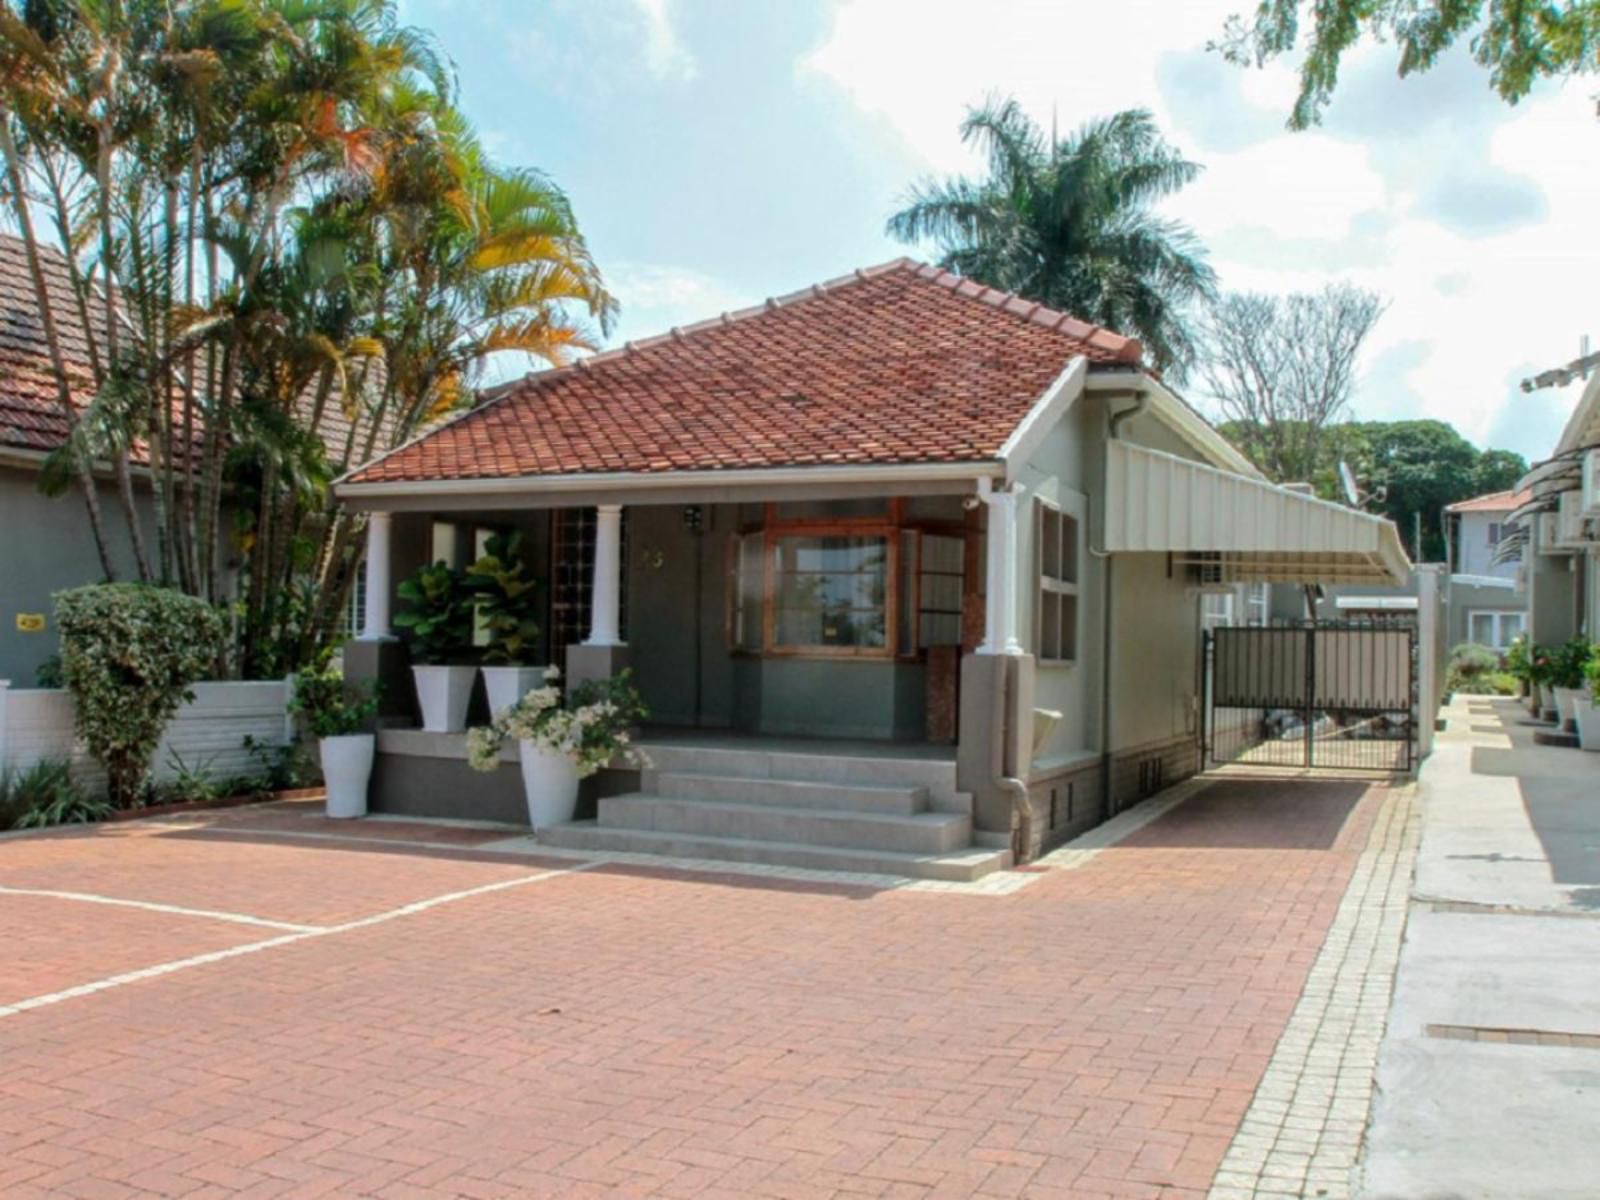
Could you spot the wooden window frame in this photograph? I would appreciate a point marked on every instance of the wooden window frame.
(890, 527)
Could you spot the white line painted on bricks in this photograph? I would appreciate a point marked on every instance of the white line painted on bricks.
(151, 906)
(17, 1007)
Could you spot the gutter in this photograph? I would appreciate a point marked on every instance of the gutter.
(633, 481)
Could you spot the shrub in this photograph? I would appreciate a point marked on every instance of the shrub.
(1469, 660)
(129, 652)
(191, 783)
(332, 707)
(591, 730)
(1568, 663)
(48, 673)
(45, 794)
(1591, 673)
(505, 601)
(1491, 683)
(438, 614)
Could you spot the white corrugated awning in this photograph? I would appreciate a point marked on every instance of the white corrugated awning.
(1254, 531)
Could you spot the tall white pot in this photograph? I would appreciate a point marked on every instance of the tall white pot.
(442, 694)
(506, 685)
(1566, 698)
(346, 770)
(1547, 699)
(550, 784)
(1588, 715)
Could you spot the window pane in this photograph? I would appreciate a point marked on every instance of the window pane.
(747, 609)
(1050, 625)
(1049, 542)
(1069, 549)
(832, 591)
(1481, 628)
(1510, 627)
(1069, 628)
(906, 636)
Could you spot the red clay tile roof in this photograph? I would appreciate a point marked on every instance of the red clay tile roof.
(30, 417)
(1493, 502)
(902, 363)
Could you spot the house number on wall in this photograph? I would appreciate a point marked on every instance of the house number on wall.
(30, 622)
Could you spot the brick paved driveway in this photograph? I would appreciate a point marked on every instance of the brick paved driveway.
(274, 1005)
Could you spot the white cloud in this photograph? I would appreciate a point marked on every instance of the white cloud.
(1473, 217)
(665, 54)
(583, 46)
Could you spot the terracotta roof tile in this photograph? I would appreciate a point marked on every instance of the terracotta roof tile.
(902, 363)
(1493, 502)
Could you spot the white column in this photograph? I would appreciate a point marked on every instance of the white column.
(607, 595)
(1431, 581)
(1000, 566)
(375, 621)
(5, 759)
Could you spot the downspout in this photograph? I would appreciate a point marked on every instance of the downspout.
(1011, 785)
(1141, 401)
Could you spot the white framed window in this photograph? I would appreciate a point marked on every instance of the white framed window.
(1497, 630)
(1496, 532)
(1058, 552)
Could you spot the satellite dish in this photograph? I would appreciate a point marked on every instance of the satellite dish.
(1347, 480)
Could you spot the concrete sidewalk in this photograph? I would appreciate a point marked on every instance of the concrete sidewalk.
(1489, 1073)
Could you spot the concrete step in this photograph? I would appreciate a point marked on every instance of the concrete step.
(789, 793)
(960, 866)
(923, 833)
(937, 775)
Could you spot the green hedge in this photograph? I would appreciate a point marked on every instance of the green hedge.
(129, 652)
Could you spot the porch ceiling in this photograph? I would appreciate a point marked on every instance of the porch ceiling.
(1258, 532)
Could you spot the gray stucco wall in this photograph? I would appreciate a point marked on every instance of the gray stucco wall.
(46, 546)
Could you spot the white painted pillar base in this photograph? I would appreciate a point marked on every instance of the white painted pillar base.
(606, 613)
(375, 618)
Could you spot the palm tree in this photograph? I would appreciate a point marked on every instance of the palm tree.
(1069, 222)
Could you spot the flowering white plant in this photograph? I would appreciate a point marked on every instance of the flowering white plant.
(591, 730)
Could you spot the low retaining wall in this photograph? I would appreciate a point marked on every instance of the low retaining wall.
(207, 733)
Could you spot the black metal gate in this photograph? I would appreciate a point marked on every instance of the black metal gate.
(1341, 695)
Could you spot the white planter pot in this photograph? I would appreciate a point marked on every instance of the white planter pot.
(346, 770)
(442, 694)
(1565, 699)
(1547, 699)
(506, 685)
(550, 783)
(1588, 715)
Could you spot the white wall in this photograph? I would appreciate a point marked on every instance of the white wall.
(209, 732)
(1473, 548)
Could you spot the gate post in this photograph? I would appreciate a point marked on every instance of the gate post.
(1430, 653)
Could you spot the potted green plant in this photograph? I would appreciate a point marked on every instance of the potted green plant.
(338, 713)
(504, 598)
(1566, 677)
(1587, 707)
(561, 744)
(438, 618)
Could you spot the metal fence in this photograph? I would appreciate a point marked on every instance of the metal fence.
(1328, 694)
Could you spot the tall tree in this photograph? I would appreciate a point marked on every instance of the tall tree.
(1069, 222)
(1282, 369)
(1518, 43)
(287, 252)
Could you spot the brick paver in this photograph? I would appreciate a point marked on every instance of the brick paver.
(1098, 1032)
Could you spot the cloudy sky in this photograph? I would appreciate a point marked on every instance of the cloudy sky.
(721, 151)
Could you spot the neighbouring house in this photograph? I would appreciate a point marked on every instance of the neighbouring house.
(1561, 552)
(1482, 601)
(45, 542)
(941, 547)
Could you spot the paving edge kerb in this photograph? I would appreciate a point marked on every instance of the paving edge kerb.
(1303, 1132)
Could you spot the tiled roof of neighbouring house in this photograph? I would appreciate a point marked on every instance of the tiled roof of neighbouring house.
(30, 417)
(1493, 502)
(901, 363)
